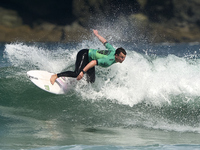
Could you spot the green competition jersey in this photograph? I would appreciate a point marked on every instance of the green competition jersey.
(105, 58)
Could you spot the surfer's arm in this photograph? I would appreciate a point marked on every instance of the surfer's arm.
(87, 67)
(102, 39)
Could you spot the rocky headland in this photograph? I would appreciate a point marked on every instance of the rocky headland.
(151, 21)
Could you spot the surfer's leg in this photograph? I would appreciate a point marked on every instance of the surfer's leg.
(81, 62)
(91, 75)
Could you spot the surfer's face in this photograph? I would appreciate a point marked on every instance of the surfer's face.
(120, 57)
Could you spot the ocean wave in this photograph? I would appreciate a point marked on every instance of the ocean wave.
(159, 92)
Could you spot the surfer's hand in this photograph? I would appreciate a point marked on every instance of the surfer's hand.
(95, 32)
(53, 78)
(80, 76)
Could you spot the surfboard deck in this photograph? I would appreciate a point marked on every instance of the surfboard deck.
(42, 79)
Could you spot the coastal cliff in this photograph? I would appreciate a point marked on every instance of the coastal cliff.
(151, 21)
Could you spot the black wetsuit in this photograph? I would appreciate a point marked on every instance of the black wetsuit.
(81, 61)
(104, 58)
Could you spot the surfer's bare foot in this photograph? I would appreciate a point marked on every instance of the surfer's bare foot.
(53, 78)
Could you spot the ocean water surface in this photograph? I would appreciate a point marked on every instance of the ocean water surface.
(150, 101)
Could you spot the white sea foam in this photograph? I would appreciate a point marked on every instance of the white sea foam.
(139, 78)
(34, 57)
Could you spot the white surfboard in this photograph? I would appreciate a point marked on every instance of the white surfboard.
(42, 79)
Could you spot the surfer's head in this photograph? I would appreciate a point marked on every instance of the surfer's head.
(120, 55)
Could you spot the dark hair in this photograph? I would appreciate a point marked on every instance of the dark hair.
(119, 50)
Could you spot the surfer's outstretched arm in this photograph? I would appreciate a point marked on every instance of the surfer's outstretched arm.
(102, 39)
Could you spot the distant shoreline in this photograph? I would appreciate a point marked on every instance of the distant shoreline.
(156, 34)
(71, 21)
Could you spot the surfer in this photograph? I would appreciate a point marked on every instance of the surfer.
(87, 59)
